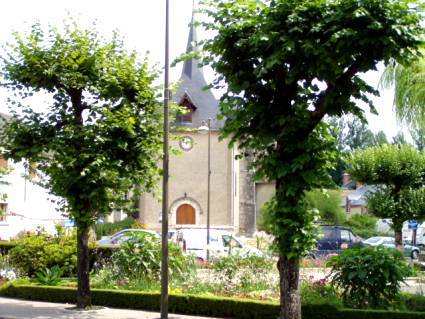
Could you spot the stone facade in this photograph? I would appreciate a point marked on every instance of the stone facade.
(232, 192)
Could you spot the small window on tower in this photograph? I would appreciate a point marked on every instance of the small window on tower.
(185, 118)
(187, 104)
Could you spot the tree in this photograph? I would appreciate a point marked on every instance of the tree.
(351, 133)
(418, 136)
(286, 65)
(99, 135)
(399, 139)
(408, 80)
(328, 203)
(398, 171)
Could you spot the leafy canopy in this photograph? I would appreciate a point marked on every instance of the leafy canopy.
(408, 81)
(398, 171)
(287, 64)
(99, 132)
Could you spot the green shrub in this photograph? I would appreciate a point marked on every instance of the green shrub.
(319, 292)
(409, 302)
(363, 225)
(107, 229)
(368, 277)
(241, 274)
(34, 253)
(328, 203)
(140, 256)
(50, 277)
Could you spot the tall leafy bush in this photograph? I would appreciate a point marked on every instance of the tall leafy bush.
(328, 203)
(363, 225)
(368, 277)
(140, 257)
(34, 253)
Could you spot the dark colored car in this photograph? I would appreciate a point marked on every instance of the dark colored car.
(333, 239)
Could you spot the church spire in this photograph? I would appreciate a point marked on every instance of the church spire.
(190, 93)
(188, 66)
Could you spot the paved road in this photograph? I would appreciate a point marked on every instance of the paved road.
(22, 309)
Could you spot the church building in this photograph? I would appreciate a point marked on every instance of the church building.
(234, 197)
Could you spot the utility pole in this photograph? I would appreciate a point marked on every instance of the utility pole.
(164, 242)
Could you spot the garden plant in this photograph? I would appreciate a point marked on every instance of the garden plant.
(369, 277)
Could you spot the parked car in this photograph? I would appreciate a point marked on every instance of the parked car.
(123, 235)
(333, 239)
(194, 241)
(409, 250)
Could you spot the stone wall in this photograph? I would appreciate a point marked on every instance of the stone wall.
(247, 207)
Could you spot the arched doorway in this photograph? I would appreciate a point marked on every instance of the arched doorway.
(185, 214)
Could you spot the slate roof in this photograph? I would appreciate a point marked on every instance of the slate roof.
(192, 83)
(357, 197)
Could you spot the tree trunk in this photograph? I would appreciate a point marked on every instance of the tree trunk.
(84, 294)
(398, 235)
(290, 302)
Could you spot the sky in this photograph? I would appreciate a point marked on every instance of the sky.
(141, 23)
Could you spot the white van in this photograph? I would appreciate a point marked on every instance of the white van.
(193, 240)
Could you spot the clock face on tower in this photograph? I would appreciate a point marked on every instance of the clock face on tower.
(186, 143)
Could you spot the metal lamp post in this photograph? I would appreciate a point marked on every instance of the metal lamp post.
(203, 130)
(164, 242)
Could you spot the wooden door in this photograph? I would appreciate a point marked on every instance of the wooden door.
(185, 214)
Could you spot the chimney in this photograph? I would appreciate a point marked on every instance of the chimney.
(347, 205)
(345, 179)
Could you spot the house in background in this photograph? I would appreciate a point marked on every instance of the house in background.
(353, 195)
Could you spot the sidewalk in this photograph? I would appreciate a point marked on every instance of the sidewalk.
(23, 309)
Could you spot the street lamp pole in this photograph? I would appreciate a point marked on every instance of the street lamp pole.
(164, 242)
(208, 189)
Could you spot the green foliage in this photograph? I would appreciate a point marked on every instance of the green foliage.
(409, 302)
(396, 166)
(398, 171)
(140, 256)
(319, 292)
(351, 133)
(107, 229)
(34, 253)
(409, 83)
(50, 276)
(243, 274)
(90, 161)
(328, 203)
(271, 56)
(368, 277)
(100, 132)
(363, 225)
(287, 64)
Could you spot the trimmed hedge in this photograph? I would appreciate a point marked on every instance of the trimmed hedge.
(196, 305)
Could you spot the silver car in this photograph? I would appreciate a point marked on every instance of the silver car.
(116, 239)
(409, 250)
